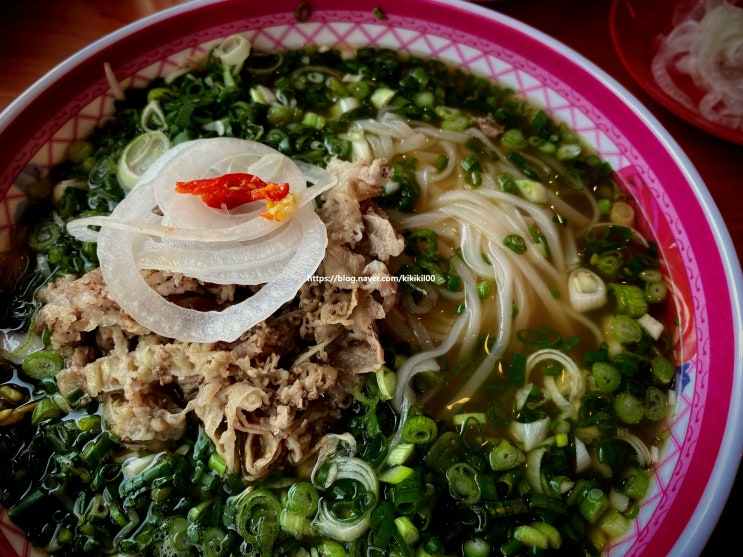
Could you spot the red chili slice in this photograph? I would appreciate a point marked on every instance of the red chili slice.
(233, 190)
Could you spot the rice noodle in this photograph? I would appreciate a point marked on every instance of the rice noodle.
(644, 456)
(471, 224)
(573, 376)
(420, 362)
(503, 327)
(469, 337)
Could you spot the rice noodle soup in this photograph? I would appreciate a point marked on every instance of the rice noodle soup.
(433, 328)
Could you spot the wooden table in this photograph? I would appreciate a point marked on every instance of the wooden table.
(35, 35)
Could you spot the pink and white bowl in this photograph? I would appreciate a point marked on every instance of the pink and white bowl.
(700, 459)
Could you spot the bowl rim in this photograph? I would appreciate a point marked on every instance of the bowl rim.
(708, 509)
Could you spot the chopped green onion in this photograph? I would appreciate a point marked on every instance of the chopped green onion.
(462, 419)
(382, 523)
(45, 409)
(424, 98)
(505, 456)
(662, 369)
(456, 123)
(330, 548)
(419, 430)
(636, 484)
(407, 495)
(395, 474)
(472, 169)
(628, 408)
(423, 242)
(359, 89)
(387, 382)
(515, 243)
(513, 139)
(625, 329)
(89, 423)
(153, 117)
(400, 454)
(651, 275)
(42, 364)
(607, 376)
(604, 206)
(445, 451)
(95, 450)
(139, 155)
(79, 150)
(217, 464)
(294, 523)
(313, 120)
(553, 534)
(382, 97)
(44, 235)
(407, 529)
(539, 237)
(562, 440)
(254, 513)
(613, 523)
(302, 498)
(506, 182)
(532, 190)
(593, 505)
(656, 291)
(622, 213)
(476, 547)
(568, 151)
(442, 162)
(609, 263)
(539, 120)
(542, 145)
(454, 283)
(484, 289)
(462, 480)
(656, 404)
(630, 299)
(279, 115)
(531, 537)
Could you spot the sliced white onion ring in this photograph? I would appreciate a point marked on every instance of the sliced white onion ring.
(572, 373)
(185, 216)
(128, 287)
(202, 259)
(245, 272)
(706, 45)
(212, 245)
